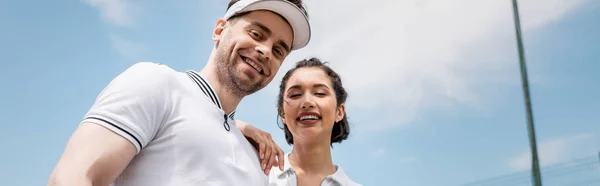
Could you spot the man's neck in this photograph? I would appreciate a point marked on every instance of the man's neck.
(229, 101)
(312, 159)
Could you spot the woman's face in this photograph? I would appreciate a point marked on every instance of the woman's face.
(309, 105)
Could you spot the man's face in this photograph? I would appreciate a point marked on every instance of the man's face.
(250, 50)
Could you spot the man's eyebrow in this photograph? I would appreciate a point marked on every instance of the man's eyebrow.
(270, 33)
(263, 27)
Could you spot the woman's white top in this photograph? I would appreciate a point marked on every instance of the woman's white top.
(288, 177)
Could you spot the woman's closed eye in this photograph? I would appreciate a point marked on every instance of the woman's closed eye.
(294, 95)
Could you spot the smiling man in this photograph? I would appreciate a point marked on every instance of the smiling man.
(154, 126)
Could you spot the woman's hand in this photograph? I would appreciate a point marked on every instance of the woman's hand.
(269, 152)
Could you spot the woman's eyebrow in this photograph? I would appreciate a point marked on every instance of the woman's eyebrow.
(294, 87)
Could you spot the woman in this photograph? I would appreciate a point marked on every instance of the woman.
(311, 106)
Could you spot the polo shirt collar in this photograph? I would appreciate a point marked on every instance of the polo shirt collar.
(287, 167)
(338, 176)
(208, 90)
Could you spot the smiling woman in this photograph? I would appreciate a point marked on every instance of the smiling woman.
(313, 78)
(311, 104)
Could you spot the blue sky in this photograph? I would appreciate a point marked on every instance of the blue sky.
(435, 96)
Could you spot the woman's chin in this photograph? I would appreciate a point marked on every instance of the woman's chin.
(309, 133)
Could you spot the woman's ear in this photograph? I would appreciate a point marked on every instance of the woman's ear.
(218, 30)
(282, 116)
(341, 111)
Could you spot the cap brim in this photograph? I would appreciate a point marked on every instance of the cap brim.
(294, 16)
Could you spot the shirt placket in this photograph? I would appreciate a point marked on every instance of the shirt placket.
(232, 139)
(293, 181)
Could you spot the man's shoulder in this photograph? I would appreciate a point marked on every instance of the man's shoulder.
(151, 73)
(151, 68)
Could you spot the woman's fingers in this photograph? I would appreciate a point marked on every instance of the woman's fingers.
(280, 157)
(262, 150)
(267, 160)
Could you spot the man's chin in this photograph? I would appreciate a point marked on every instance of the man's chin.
(247, 87)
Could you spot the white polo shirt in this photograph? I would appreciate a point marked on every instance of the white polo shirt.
(182, 135)
(288, 177)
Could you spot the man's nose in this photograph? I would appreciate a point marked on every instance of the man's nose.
(264, 51)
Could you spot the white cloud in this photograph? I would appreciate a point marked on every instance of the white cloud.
(126, 48)
(539, 13)
(117, 12)
(411, 56)
(556, 150)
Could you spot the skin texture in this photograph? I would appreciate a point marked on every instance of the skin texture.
(270, 153)
(256, 37)
(95, 155)
(309, 89)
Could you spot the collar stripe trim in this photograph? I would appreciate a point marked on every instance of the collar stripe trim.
(204, 87)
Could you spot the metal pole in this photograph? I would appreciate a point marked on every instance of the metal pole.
(535, 167)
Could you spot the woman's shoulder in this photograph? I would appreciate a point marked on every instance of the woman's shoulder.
(352, 183)
(341, 177)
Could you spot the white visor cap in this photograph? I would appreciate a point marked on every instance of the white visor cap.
(293, 15)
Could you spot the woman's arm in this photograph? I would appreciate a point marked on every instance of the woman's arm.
(269, 152)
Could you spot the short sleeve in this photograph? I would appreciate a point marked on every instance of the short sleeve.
(135, 103)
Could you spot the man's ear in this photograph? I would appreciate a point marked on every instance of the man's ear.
(341, 111)
(218, 31)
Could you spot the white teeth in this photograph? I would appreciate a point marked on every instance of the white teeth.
(313, 117)
(253, 65)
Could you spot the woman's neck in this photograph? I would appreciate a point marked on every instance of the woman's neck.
(312, 159)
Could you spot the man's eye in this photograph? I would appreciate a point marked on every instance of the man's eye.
(320, 94)
(255, 34)
(294, 95)
(278, 52)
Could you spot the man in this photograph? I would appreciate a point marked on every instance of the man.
(154, 126)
